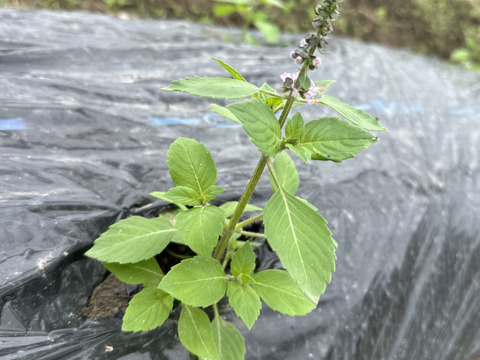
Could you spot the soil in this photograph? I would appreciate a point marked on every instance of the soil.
(108, 299)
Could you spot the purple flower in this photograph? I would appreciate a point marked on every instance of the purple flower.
(316, 62)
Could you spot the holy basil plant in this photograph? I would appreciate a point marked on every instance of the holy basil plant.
(223, 261)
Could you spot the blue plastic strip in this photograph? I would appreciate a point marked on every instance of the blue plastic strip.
(173, 121)
(13, 124)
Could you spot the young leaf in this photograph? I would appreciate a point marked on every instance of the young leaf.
(216, 88)
(195, 333)
(211, 192)
(200, 228)
(295, 126)
(133, 240)
(324, 83)
(243, 260)
(182, 195)
(220, 10)
(223, 111)
(302, 241)
(245, 302)
(278, 290)
(260, 123)
(138, 273)
(147, 310)
(269, 30)
(198, 281)
(229, 341)
(229, 208)
(191, 165)
(235, 74)
(286, 173)
(354, 115)
(332, 139)
(305, 81)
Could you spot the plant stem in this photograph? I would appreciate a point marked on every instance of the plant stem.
(249, 221)
(252, 183)
(250, 233)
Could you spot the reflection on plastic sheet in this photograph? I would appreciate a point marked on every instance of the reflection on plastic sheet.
(210, 118)
(398, 107)
(13, 124)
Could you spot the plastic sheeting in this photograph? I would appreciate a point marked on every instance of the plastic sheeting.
(84, 130)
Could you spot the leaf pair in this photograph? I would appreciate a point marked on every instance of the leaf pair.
(325, 139)
(275, 287)
(218, 340)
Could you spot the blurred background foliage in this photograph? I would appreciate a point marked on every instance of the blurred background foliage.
(449, 29)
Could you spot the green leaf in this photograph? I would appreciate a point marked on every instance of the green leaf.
(243, 260)
(223, 111)
(212, 192)
(260, 124)
(245, 302)
(200, 228)
(195, 333)
(286, 173)
(229, 341)
(235, 74)
(182, 195)
(270, 31)
(191, 165)
(305, 81)
(216, 88)
(147, 310)
(220, 10)
(302, 241)
(295, 127)
(229, 208)
(162, 196)
(138, 273)
(332, 139)
(133, 240)
(354, 115)
(278, 290)
(198, 281)
(324, 83)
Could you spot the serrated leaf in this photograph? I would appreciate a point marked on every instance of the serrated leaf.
(161, 195)
(214, 87)
(223, 111)
(354, 115)
(195, 333)
(147, 310)
(260, 123)
(235, 74)
(191, 165)
(229, 208)
(324, 83)
(182, 195)
(198, 281)
(229, 341)
(286, 173)
(245, 302)
(279, 291)
(332, 139)
(137, 273)
(302, 241)
(132, 240)
(200, 228)
(243, 260)
(295, 126)
(212, 192)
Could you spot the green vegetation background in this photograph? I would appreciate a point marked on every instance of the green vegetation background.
(449, 29)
